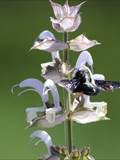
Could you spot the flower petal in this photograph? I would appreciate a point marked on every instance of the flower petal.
(55, 55)
(32, 113)
(50, 115)
(76, 24)
(43, 45)
(58, 9)
(86, 100)
(67, 24)
(46, 41)
(46, 35)
(37, 85)
(75, 9)
(56, 25)
(84, 57)
(44, 123)
(50, 84)
(98, 77)
(66, 8)
(91, 76)
(45, 137)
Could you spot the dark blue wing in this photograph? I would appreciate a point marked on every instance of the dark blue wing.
(107, 85)
(72, 85)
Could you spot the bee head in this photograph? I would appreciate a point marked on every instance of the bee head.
(80, 74)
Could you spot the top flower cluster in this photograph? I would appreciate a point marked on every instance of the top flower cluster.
(67, 18)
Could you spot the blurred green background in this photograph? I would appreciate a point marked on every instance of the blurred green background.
(20, 22)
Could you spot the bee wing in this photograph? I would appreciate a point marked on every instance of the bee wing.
(107, 85)
(66, 84)
(71, 85)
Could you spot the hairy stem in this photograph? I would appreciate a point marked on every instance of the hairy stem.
(67, 102)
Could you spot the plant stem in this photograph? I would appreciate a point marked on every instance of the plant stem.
(67, 102)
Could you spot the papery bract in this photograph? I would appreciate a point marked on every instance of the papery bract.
(81, 43)
(53, 71)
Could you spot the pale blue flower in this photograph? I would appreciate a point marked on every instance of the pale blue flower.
(49, 114)
(46, 41)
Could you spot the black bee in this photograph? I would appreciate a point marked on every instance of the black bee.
(82, 83)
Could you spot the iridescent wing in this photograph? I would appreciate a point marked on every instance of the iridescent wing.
(72, 85)
(107, 85)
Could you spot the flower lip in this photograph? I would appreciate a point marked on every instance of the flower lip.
(49, 85)
(84, 58)
(98, 77)
(36, 86)
(42, 90)
(89, 116)
(45, 137)
(46, 35)
(90, 111)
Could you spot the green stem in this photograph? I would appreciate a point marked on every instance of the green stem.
(67, 102)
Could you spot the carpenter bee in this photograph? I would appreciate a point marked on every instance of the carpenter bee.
(84, 83)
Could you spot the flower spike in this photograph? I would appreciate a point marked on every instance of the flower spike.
(80, 81)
